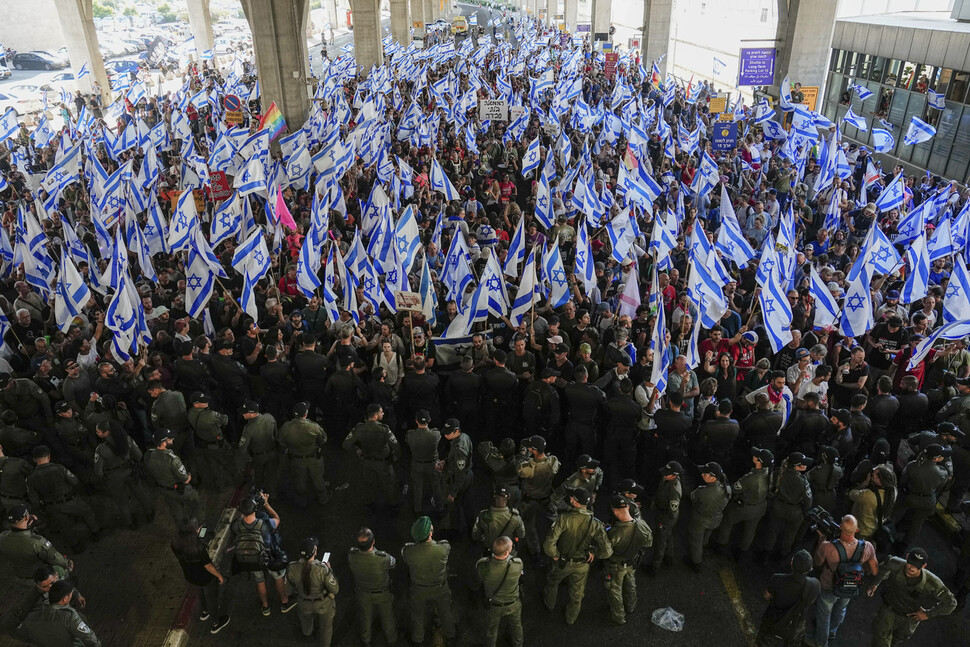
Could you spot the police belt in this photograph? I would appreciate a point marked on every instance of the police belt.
(430, 586)
(268, 451)
(786, 502)
(374, 459)
(631, 562)
(313, 455)
(317, 599)
(502, 604)
(173, 488)
(63, 499)
(581, 560)
(208, 444)
(374, 592)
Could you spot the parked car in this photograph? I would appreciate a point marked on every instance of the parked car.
(63, 59)
(122, 67)
(22, 104)
(4, 72)
(32, 61)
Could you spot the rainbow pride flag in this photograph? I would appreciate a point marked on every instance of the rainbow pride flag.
(272, 121)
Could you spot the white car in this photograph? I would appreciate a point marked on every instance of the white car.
(5, 72)
(22, 104)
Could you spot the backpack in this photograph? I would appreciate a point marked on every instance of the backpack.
(847, 578)
(251, 552)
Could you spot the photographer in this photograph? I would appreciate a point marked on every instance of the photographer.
(255, 549)
(840, 562)
(198, 570)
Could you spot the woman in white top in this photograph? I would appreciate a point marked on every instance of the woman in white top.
(392, 363)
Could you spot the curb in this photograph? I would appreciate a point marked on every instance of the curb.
(177, 636)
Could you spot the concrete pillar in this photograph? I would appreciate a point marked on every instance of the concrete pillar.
(200, 22)
(417, 16)
(279, 41)
(431, 12)
(368, 49)
(805, 33)
(602, 17)
(552, 6)
(77, 23)
(571, 11)
(656, 33)
(401, 22)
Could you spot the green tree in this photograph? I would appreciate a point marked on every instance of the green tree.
(102, 11)
(131, 12)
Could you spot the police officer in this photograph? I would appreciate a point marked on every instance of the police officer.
(500, 573)
(372, 582)
(53, 488)
(17, 440)
(463, 392)
(588, 476)
(536, 470)
(628, 537)
(499, 520)
(378, 450)
(749, 503)
(824, 477)
(584, 401)
(166, 470)
(922, 480)
(74, 447)
(169, 412)
(303, 441)
(22, 550)
(29, 402)
(503, 465)
(13, 480)
(633, 493)
(708, 501)
(316, 589)
(423, 443)
(113, 459)
(911, 595)
(213, 459)
(457, 475)
(540, 404)
(257, 446)
(791, 498)
(419, 390)
(666, 502)
(575, 539)
(58, 623)
(427, 562)
(499, 384)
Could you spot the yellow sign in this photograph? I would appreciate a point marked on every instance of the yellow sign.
(725, 116)
(811, 95)
(234, 117)
(418, 24)
(196, 194)
(717, 105)
(441, 5)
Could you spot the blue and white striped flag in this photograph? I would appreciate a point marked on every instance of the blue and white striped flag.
(857, 317)
(941, 243)
(532, 157)
(955, 330)
(882, 140)
(855, 120)
(72, 293)
(554, 272)
(918, 280)
(956, 304)
(826, 307)
(440, 182)
(516, 253)
(583, 265)
(919, 131)
(776, 312)
(861, 92)
(658, 343)
(935, 100)
(83, 72)
(527, 294)
(892, 196)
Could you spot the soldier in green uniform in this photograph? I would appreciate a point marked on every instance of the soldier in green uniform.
(921, 481)
(423, 443)
(503, 466)
(791, 498)
(53, 489)
(113, 459)
(628, 537)
(58, 624)
(378, 450)
(427, 562)
(748, 504)
(13, 480)
(457, 475)
(536, 469)
(170, 412)
(911, 595)
(303, 441)
(575, 539)
(257, 446)
(499, 520)
(588, 476)
(708, 501)
(500, 575)
(166, 470)
(316, 589)
(212, 451)
(22, 550)
(372, 581)
(666, 502)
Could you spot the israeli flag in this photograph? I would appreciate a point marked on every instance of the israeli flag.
(861, 92)
(199, 284)
(826, 307)
(206, 55)
(955, 330)
(226, 220)
(730, 241)
(776, 312)
(785, 95)
(855, 120)
(72, 293)
(440, 182)
(941, 243)
(882, 140)
(857, 317)
(719, 65)
(919, 131)
(528, 292)
(183, 219)
(406, 236)
(252, 255)
(892, 196)
(773, 130)
(531, 159)
(252, 179)
(935, 100)
(83, 72)
(918, 280)
(516, 253)
(956, 304)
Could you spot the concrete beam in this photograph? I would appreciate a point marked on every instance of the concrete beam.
(571, 11)
(656, 32)
(77, 22)
(432, 10)
(552, 6)
(806, 31)
(602, 18)
(368, 48)
(401, 22)
(282, 59)
(200, 23)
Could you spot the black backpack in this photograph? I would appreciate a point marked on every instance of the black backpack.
(848, 574)
(250, 551)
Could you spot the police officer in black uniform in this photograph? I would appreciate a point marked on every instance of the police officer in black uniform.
(584, 401)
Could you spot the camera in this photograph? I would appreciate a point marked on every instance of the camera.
(823, 521)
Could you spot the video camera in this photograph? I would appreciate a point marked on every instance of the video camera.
(823, 521)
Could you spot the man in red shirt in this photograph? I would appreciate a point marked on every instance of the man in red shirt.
(901, 363)
(715, 344)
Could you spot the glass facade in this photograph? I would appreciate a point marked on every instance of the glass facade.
(899, 92)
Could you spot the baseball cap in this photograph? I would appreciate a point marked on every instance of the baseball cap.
(587, 462)
(917, 557)
(222, 344)
(619, 501)
(501, 490)
(797, 458)
(419, 332)
(713, 469)
(163, 434)
(200, 397)
(63, 407)
(536, 442)
(892, 295)
(451, 424)
(763, 455)
(549, 372)
(308, 545)
(801, 352)
(296, 313)
(629, 485)
(249, 406)
(933, 451)
(422, 416)
(842, 415)
(301, 409)
(582, 496)
(17, 513)
(673, 467)
(561, 348)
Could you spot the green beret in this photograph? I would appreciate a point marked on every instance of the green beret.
(421, 528)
